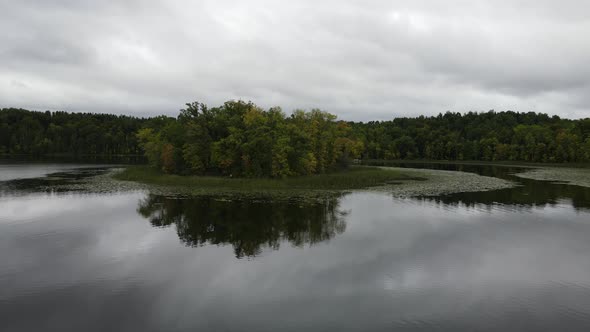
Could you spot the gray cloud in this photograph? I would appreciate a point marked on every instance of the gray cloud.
(362, 60)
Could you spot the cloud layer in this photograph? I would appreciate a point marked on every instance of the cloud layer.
(362, 60)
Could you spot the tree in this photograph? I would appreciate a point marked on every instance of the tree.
(405, 146)
(151, 145)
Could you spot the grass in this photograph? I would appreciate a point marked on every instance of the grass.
(356, 177)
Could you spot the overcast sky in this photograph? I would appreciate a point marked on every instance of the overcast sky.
(362, 60)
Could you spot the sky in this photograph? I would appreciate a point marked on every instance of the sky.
(361, 60)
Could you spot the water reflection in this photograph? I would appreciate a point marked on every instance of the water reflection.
(82, 261)
(247, 225)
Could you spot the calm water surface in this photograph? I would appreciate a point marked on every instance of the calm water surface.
(509, 260)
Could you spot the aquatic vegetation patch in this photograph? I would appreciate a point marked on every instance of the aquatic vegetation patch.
(352, 178)
(573, 176)
(442, 182)
(400, 182)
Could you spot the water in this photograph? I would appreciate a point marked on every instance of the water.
(510, 260)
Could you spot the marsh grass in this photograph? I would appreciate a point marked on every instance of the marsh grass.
(356, 177)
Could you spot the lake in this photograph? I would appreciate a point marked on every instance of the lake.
(77, 260)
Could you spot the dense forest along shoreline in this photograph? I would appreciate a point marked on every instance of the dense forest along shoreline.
(239, 137)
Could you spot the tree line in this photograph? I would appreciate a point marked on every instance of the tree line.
(489, 136)
(56, 133)
(241, 139)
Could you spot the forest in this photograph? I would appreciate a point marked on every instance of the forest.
(25, 132)
(241, 139)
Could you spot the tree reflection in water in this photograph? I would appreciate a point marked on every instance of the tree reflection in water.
(248, 225)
